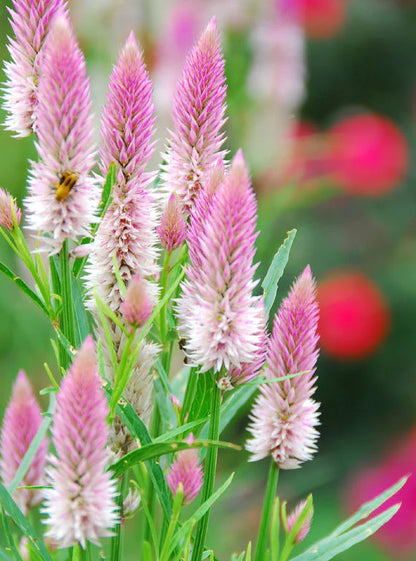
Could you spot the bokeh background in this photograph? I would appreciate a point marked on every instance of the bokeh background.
(322, 99)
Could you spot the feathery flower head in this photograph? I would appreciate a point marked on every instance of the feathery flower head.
(30, 21)
(21, 422)
(187, 471)
(137, 307)
(219, 318)
(284, 416)
(172, 229)
(62, 197)
(294, 517)
(10, 213)
(80, 506)
(198, 116)
(131, 503)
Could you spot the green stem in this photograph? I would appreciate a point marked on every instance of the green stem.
(210, 469)
(264, 530)
(116, 542)
(68, 325)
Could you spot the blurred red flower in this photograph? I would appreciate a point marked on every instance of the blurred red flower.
(368, 154)
(322, 19)
(399, 534)
(354, 317)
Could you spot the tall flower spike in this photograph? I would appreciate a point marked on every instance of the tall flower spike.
(62, 196)
(186, 470)
(172, 229)
(80, 506)
(30, 21)
(21, 422)
(219, 318)
(10, 213)
(198, 116)
(284, 416)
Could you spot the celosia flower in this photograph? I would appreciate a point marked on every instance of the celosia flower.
(198, 116)
(22, 420)
(136, 307)
(30, 21)
(80, 506)
(10, 213)
(172, 229)
(62, 197)
(284, 416)
(187, 471)
(131, 503)
(219, 318)
(294, 517)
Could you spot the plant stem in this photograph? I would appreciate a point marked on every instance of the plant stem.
(67, 326)
(210, 469)
(267, 512)
(116, 542)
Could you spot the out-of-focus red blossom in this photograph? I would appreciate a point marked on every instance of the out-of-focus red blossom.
(399, 534)
(354, 316)
(368, 154)
(322, 19)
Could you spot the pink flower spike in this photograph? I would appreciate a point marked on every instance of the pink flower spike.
(187, 471)
(30, 21)
(198, 117)
(172, 229)
(21, 422)
(62, 196)
(80, 506)
(10, 213)
(284, 416)
(294, 517)
(221, 321)
(137, 307)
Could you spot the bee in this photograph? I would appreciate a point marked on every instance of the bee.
(66, 183)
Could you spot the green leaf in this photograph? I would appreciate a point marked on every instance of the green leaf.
(82, 320)
(23, 287)
(16, 514)
(275, 272)
(201, 404)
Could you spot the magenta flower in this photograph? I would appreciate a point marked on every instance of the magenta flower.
(136, 308)
(172, 229)
(10, 213)
(62, 196)
(21, 422)
(284, 416)
(220, 319)
(294, 517)
(30, 21)
(80, 506)
(198, 117)
(187, 471)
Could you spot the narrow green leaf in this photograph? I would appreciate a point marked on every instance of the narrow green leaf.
(16, 514)
(5, 556)
(181, 430)
(82, 320)
(23, 287)
(275, 272)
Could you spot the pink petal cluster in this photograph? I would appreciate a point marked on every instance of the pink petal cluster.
(136, 308)
(284, 416)
(30, 21)
(21, 422)
(172, 230)
(294, 517)
(80, 506)
(62, 196)
(198, 117)
(221, 321)
(187, 471)
(10, 213)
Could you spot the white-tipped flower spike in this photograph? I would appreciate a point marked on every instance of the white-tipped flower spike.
(220, 319)
(198, 117)
(294, 517)
(80, 506)
(284, 416)
(172, 230)
(30, 21)
(10, 213)
(136, 308)
(186, 471)
(21, 422)
(62, 196)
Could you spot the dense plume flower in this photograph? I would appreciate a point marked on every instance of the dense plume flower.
(284, 416)
(80, 506)
(62, 197)
(30, 21)
(198, 116)
(10, 213)
(186, 471)
(294, 517)
(136, 308)
(219, 317)
(22, 420)
(172, 230)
